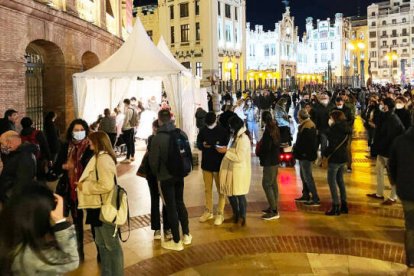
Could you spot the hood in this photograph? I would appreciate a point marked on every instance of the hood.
(167, 127)
(27, 131)
(306, 124)
(27, 147)
(241, 131)
(342, 127)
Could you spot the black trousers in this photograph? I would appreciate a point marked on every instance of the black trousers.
(155, 206)
(173, 194)
(129, 142)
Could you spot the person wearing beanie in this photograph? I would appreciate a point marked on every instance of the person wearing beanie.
(305, 150)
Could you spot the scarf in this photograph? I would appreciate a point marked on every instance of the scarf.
(75, 153)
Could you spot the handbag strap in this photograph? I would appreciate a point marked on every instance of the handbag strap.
(340, 145)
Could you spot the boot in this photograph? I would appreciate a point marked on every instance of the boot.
(335, 211)
(344, 208)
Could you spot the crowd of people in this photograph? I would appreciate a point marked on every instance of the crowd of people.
(318, 125)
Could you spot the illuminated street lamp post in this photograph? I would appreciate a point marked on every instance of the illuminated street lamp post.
(358, 46)
(391, 56)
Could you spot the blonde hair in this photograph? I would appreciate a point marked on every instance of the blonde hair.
(101, 142)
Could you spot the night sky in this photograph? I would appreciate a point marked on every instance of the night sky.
(268, 12)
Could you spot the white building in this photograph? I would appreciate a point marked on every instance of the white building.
(391, 33)
(206, 36)
(273, 51)
(323, 44)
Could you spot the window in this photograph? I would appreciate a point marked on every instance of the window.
(332, 57)
(220, 70)
(197, 7)
(228, 33)
(171, 12)
(197, 27)
(384, 43)
(332, 45)
(373, 14)
(394, 42)
(186, 64)
(373, 44)
(404, 20)
(404, 40)
(266, 51)
(394, 33)
(219, 9)
(172, 35)
(316, 58)
(199, 69)
(372, 34)
(394, 21)
(373, 24)
(227, 11)
(237, 71)
(384, 22)
(236, 37)
(236, 16)
(373, 54)
(404, 51)
(412, 30)
(185, 30)
(324, 46)
(412, 42)
(184, 10)
(404, 32)
(273, 50)
(384, 33)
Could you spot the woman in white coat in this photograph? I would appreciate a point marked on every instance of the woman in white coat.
(95, 188)
(235, 169)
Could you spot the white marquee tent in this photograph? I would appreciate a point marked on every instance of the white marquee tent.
(137, 67)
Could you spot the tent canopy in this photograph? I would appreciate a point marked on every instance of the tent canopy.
(138, 56)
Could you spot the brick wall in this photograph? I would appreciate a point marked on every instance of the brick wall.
(61, 38)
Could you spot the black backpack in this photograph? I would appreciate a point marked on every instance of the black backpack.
(179, 159)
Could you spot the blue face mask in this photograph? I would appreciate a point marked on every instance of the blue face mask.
(79, 135)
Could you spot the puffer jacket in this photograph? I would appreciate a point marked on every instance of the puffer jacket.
(98, 182)
(306, 142)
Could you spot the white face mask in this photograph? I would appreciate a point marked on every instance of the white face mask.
(325, 102)
(399, 106)
(212, 126)
(79, 135)
(331, 122)
(340, 106)
(381, 108)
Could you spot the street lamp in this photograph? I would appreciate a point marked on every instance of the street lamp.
(358, 46)
(391, 56)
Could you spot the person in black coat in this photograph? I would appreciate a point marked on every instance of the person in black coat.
(9, 121)
(36, 137)
(401, 164)
(211, 137)
(20, 168)
(269, 150)
(225, 116)
(402, 112)
(305, 150)
(52, 134)
(389, 128)
(200, 116)
(338, 134)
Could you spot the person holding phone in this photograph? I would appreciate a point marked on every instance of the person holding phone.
(38, 239)
(211, 140)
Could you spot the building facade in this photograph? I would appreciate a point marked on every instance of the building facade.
(391, 34)
(206, 36)
(359, 54)
(44, 43)
(271, 56)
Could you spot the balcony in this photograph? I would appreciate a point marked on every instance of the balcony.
(405, 45)
(404, 34)
(384, 36)
(384, 46)
(394, 35)
(405, 55)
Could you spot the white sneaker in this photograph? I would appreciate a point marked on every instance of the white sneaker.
(171, 245)
(187, 239)
(168, 235)
(206, 216)
(219, 220)
(126, 161)
(157, 234)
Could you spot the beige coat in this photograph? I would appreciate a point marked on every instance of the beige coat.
(235, 169)
(96, 193)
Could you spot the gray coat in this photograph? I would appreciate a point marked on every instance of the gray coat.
(27, 261)
(158, 153)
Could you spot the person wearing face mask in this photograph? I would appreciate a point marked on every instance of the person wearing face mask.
(20, 168)
(251, 113)
(70, 163)
(389, 128)
(371, 118)
(300, 105)
(320, 116)
(402, 112)
(210, 140)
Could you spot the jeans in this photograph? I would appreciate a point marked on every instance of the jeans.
(253, 129)
(208, 182)
(381, 165)
(238, 205)
(172, 193)
(307, 180)
(129, 142)
(408, 207)
(269, 183)
(155, 205)
(112, 258)
(336, 178)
